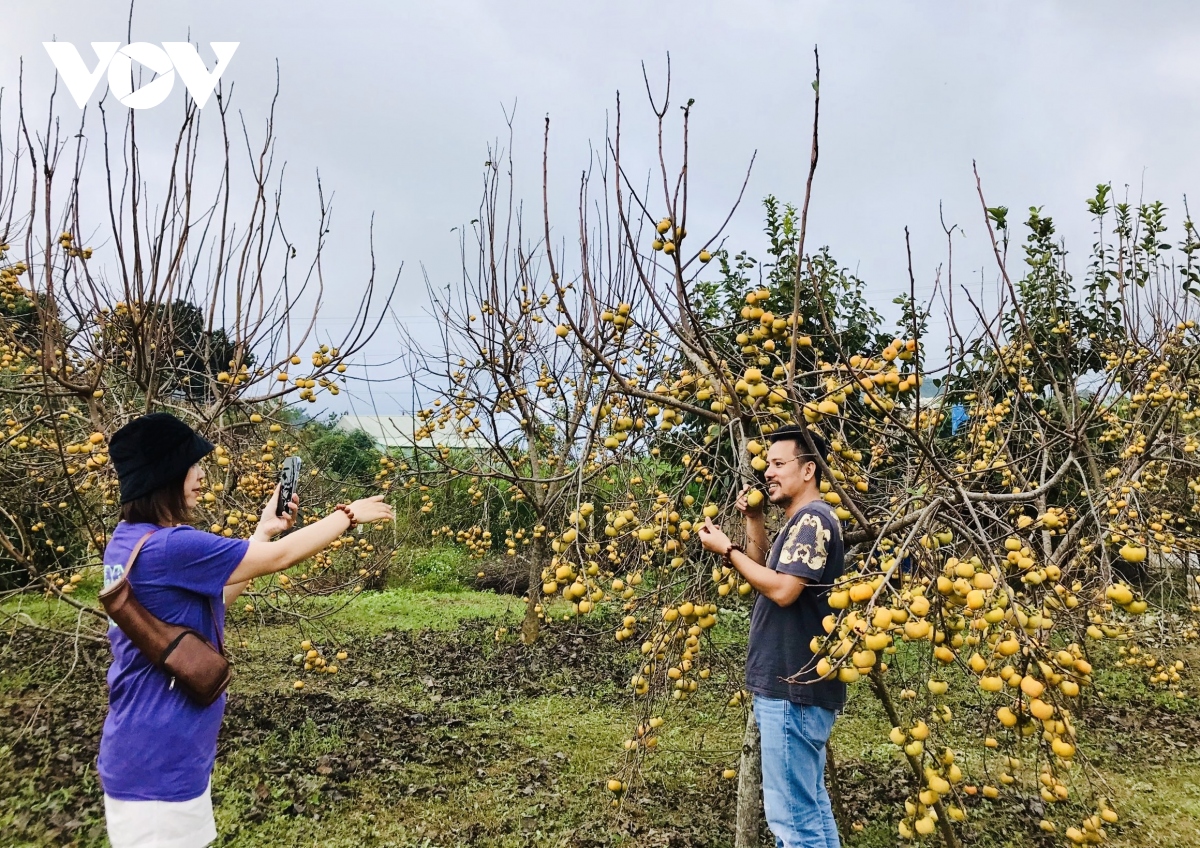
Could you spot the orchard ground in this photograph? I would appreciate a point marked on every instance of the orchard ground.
(438, 730)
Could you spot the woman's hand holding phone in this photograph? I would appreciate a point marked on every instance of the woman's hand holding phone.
(270, 524)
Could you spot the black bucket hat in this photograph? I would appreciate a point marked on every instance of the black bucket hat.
(154, 451)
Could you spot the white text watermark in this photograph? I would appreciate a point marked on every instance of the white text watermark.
(164, 61)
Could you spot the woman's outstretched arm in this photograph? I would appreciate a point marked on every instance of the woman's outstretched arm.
(264, 558)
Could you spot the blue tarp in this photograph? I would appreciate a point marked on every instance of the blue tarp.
(958, 417)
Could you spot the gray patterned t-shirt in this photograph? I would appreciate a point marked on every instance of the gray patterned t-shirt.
(809, 546)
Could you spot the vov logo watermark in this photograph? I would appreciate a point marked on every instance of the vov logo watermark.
(173, 56)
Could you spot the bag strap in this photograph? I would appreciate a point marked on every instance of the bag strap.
(137, 549)
(212, 611)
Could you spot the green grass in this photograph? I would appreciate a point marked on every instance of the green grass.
(439, 569)
(54, 611)
(435, 733)
(413, 609)
(1163, 803)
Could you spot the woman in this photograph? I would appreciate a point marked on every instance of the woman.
(157, 747)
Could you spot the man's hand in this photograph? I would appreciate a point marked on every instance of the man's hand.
(270, 524)
(713, 538)
(743, 503)
(756, 530)
(781, 588)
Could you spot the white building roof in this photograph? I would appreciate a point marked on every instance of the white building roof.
(398, 431)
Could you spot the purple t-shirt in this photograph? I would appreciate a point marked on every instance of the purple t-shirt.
(157, 744)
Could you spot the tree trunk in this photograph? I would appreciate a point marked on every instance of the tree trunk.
(532, 626)
(885, 699)
(749, 802)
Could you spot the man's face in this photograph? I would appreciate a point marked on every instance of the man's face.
(786, 474)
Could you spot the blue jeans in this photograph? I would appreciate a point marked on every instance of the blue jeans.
(795, 800)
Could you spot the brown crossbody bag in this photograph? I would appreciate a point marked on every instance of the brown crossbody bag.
(183, 654)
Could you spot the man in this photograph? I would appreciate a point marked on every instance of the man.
(792, 578)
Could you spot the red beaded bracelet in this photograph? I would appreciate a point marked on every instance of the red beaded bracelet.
(728, 556)
(349, 514)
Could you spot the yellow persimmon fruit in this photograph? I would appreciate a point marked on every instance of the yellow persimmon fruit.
(1133, 553)
(1032, 687)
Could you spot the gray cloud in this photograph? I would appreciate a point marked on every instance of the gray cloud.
(396, 103)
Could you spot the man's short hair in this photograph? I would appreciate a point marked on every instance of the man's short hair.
(795, 433)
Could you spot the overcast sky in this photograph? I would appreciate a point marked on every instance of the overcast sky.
(397, 102)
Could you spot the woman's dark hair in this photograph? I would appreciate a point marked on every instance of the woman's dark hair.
(164, 506)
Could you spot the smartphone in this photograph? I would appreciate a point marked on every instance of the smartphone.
(289, 482)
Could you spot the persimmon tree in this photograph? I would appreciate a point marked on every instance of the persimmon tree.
(1030, 521)
(734, 362)
(140, 283)
(515, 404)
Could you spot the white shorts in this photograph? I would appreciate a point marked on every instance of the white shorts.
(161, 824)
